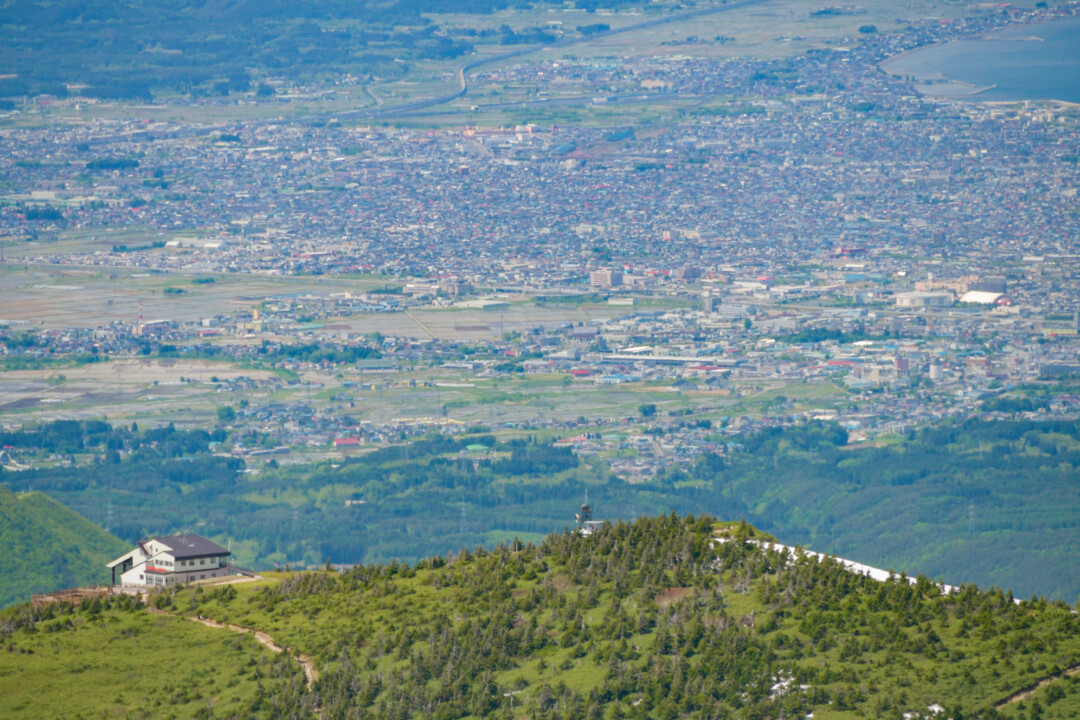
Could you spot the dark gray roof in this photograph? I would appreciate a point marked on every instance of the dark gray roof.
(185, 546)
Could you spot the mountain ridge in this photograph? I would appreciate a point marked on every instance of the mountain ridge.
(651, 619)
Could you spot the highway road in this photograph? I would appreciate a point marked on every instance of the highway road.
(419, 106)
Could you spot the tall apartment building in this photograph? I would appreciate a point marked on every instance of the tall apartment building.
(605, 278)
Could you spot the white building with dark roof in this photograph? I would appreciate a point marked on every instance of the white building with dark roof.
(170, 560)
(921, 298)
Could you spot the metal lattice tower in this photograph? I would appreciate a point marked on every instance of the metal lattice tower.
(586, 512)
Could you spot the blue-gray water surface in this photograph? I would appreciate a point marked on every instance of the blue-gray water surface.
(1030, 62)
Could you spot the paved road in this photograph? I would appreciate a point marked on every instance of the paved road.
(463, 83)
(380, 111)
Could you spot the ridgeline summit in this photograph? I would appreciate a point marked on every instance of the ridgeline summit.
(664, 618)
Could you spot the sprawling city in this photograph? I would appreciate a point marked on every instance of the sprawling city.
(592, 359)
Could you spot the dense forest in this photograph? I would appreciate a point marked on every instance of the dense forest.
(970, 502)
(46, 546)
(134, 50)
(663, 618)
(985, 502)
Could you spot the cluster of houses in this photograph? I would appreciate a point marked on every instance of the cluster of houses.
(799, 161)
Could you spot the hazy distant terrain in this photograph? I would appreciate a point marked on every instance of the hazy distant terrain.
(132, 51)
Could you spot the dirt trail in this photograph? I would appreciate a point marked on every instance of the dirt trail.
(308, 664)
(1030, 689)
(268, 642)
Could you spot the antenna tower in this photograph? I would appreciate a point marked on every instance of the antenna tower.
(462, 530)
(586, 512)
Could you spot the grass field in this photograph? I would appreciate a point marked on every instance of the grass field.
(48, 296)
(131, 664)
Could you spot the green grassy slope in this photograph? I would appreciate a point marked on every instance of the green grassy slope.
(48, 547)
(118, 660)
(664, 618)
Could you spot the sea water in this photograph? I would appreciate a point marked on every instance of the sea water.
(1029, 62)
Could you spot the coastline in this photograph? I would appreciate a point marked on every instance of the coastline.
(1025, 38)
(952, 89)
(949, 88)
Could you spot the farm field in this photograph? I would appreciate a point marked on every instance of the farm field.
(776, 29)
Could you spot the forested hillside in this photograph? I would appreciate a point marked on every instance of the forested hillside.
(134, 50)
(664, 618)
(48, 547)
(989, 503)
(983, 502)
